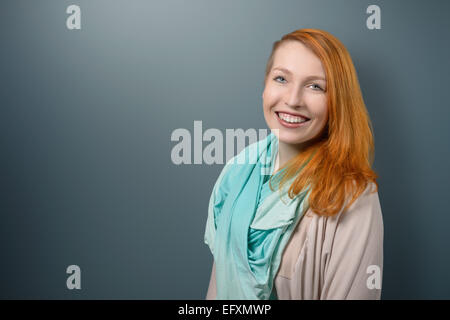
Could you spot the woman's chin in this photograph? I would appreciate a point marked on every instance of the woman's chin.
(292, 142)
(289, 138)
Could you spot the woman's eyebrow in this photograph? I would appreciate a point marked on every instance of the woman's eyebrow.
(312, 77)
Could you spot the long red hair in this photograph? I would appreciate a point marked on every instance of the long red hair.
(341, 157)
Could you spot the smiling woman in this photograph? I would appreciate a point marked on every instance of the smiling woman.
(294, 97)
(321, 235)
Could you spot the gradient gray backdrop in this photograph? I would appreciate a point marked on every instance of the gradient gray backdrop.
(86, 118)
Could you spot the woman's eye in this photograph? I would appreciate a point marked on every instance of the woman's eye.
(278, 77)
(317, 87)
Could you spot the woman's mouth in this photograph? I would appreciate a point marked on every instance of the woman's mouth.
(290, 121)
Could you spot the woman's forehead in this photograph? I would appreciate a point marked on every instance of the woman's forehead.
(294, 57)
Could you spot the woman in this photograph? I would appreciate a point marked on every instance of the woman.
(320, 236)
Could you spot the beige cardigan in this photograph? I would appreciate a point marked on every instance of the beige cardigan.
(339, 257)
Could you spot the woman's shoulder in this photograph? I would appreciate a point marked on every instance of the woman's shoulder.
(355, 227)
(364, 211)
(368, 198)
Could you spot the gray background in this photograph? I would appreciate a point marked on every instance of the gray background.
(86, 117)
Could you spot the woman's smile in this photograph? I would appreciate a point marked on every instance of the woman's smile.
(289, 121)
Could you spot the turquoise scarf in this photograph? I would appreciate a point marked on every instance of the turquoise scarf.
(248, 225)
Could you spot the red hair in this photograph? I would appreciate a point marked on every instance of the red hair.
(341, 156)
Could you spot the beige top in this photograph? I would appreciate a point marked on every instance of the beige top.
(339, 257)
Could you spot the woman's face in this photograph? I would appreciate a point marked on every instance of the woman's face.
(294, 92)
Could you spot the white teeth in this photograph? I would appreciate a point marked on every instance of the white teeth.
(291, 119)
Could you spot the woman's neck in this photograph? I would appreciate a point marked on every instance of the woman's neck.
(287, 151)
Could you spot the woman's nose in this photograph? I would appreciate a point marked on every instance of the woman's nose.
(294, 97)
